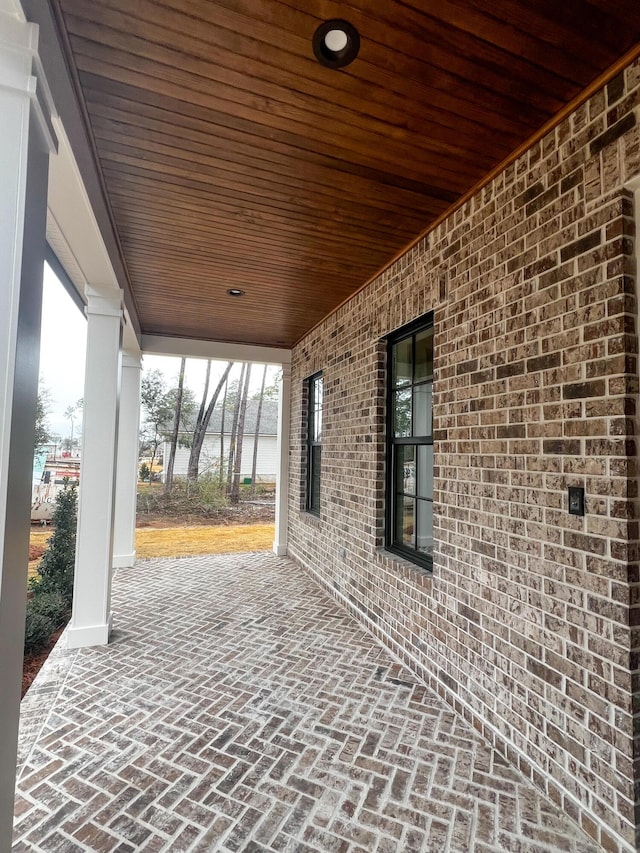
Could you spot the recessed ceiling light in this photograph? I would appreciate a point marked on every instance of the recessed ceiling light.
(235, 291)
(336, 40)
(336, 43)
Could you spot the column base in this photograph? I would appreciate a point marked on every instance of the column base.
(279, 549)
(91, 635)
(123, 561)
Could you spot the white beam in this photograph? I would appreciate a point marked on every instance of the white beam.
(221, 350)
(25, 144)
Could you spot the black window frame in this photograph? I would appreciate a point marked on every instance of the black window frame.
(410, 331)
(314, 442)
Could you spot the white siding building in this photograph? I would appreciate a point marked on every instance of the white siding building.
(267, 460)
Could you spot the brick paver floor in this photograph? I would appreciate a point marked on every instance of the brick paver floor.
(239, 708)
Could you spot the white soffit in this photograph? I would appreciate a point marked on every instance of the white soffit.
(63, 252)
(73, 225)
(73, 232)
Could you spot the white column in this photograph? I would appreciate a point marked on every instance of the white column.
(282, 481)
(91, 617)
(26, 140)
(124, 527)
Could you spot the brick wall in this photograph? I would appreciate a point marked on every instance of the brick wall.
(527, 625)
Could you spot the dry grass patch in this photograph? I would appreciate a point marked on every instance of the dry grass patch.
(190, 541)
(40, 535)
(37, 543)
(184, 541)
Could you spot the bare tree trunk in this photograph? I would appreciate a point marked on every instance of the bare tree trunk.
(154, 444)
(254, 464)
(194, 458)
(222, 420)
(168, 479)
(201, 427)
(235, 488)
(234, 429)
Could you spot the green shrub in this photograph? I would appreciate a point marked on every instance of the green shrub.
(51, 605)
(55, 571)
(38, 630)
(52, 588)
(46, 612)
(206, 493)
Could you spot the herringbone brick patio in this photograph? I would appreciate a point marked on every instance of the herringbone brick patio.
(239, 708)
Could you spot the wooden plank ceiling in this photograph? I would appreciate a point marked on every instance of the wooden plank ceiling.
(232, 159)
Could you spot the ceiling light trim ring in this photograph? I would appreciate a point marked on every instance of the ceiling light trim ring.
(336, 58)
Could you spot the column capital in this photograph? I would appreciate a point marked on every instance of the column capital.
(286, 372)
(12, 8)
(21, 72)
(130, 359)
(109, 305)
(18, 46)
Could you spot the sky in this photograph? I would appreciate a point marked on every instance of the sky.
(63, 350)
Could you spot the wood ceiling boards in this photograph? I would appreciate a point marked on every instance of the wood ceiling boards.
(232, 158)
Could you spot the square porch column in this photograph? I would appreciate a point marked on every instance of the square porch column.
(124, 527)
(26, 140)
(91, 617)
(282, 481)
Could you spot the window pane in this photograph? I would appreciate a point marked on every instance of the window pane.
(404, 522)
(316, 410)
(406, 469)
(423, 409)
(402, 412)
(425, 528)
(424, 355)
(402, 367)
(314, 437)
(410, 431)
(425, 471)
(314, 480)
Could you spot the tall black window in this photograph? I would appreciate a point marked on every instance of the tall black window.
(314, 443)
(410, 442)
